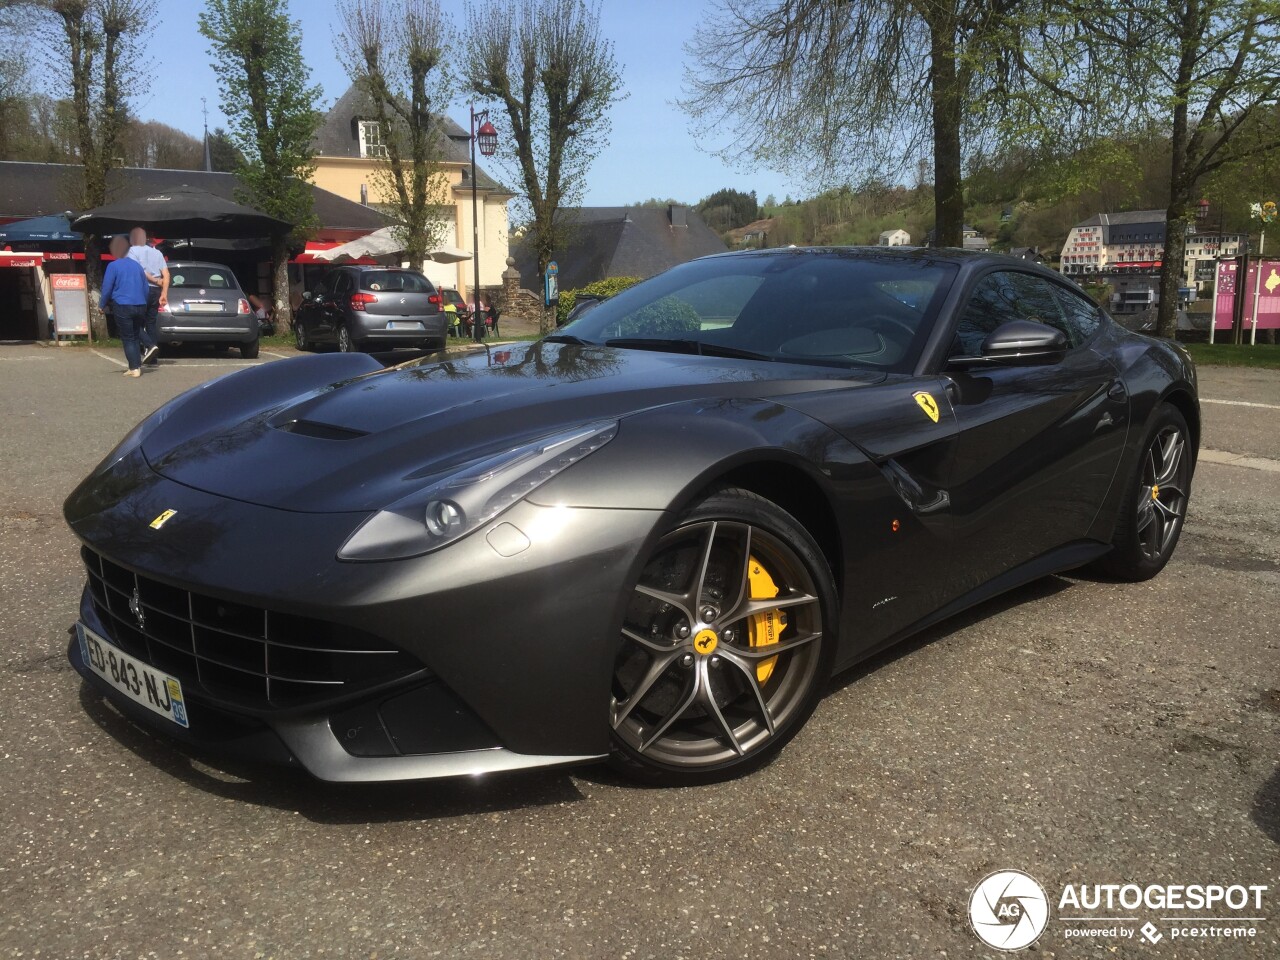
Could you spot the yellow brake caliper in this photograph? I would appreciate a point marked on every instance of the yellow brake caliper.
(765, 627)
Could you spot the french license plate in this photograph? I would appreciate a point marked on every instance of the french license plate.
(204, 307)
(157, 691)
(405, 325)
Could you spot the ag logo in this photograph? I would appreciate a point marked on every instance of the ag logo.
(1008, 910)
(927, 404)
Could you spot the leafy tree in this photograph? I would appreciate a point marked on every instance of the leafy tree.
(864, 86)
(149, 143)
(395, 52)
(728, 209)
(271, 107)
(548, 68)
(224, 155)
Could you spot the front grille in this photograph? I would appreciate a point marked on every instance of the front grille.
(249, 655)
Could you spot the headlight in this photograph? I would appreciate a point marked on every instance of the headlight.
(451, 508)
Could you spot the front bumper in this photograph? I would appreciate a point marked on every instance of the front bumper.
(513, 655)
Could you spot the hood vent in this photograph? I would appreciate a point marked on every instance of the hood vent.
(321, 431)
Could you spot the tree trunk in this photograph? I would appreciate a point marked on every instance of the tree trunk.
(93, 278)
(948, 184)
(280, 284)
(1171, 279)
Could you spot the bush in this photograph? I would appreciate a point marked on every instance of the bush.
(601, 288)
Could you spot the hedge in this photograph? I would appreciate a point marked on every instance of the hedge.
(666, 316)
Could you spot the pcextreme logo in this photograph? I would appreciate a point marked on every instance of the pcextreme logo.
(1009, 910)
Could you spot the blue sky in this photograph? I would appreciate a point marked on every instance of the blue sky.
(651, 152)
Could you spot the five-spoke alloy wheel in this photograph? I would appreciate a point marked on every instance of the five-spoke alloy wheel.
(1151, 520)
(725, 643)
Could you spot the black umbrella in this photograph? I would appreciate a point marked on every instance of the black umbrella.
(180, 212)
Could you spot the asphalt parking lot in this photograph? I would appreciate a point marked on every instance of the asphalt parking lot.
(1083, 731)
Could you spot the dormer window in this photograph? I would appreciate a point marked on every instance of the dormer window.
(371, 145)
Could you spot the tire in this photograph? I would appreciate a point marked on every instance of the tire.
(346, 342)
(300, 338)
(249, 351)
(695, 698)
(1155, 500)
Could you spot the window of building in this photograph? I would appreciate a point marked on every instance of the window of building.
(371, 145)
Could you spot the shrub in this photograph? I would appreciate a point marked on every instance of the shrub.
(601, 288)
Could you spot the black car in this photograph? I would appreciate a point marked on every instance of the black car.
(650, 537)
(359, 308)
(206, 306)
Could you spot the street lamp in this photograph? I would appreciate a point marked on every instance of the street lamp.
(486, 137)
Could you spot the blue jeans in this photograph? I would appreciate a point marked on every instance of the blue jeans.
(131, 322)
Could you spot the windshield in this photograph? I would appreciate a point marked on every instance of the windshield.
(212, 278)
(829, 307)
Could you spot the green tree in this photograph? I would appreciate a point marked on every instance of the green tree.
(271, 107)
(866, 86)
(728, 209)
(224, 156)
(395, 53)
(547, 66)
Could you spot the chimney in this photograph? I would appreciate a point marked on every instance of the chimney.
(678, 214)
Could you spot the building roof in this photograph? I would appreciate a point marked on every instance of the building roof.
(890, 233)
(36, 189)
(1130, 226)
(621, 242)
(339, 136)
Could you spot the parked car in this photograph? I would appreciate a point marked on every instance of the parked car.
(449, 295)
(651, 536)
(356, 308)
(206, 305)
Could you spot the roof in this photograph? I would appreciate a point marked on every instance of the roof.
(620, 242)
(338, 135)
(1130, 226)
(890, 233)
(37, 189)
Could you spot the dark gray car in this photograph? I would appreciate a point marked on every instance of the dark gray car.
(359, 308)
(206, 305)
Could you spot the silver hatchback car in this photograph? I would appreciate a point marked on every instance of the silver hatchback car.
(358, 308)
(206, 305)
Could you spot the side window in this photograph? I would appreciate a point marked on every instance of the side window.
(325, 289)
(1082, 316)
(1036, 301)
(992, 303)
(344, 284)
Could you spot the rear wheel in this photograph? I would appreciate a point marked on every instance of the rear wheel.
(346, 342)
(1156, 500)
(249, 351)
(726, 643)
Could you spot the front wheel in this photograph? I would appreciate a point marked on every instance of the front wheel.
(1155, 500)
(725, 645)
(300, 338)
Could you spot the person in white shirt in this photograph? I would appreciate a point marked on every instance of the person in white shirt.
(157, 271)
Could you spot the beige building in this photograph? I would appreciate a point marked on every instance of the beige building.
(349, 148)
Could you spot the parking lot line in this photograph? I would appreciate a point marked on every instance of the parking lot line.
(118, 363)
(1241, 403)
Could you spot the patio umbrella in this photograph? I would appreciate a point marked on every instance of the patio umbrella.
(383, 244)
(180, 212)
(41, 231)
(448, 254)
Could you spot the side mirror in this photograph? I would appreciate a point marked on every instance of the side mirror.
(1018, 342)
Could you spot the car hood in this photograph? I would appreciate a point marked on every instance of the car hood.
(364, 442)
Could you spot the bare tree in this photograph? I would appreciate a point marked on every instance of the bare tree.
(94, 41)
(545, 64)
(394, 51)
(1209, 74)
(863, 88)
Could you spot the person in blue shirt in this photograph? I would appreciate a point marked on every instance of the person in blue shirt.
(124, 293)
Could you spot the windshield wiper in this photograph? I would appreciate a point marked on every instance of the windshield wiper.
(567, 338)
(700, 347)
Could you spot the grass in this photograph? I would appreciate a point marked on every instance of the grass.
(1264, 356)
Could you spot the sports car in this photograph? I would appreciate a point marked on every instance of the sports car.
(649, 538)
